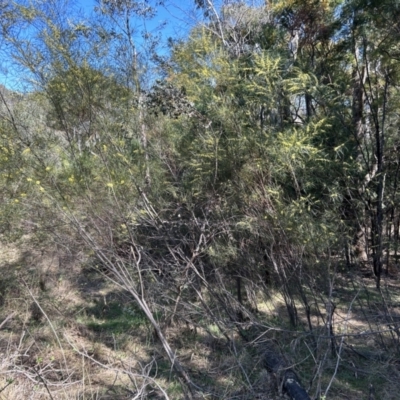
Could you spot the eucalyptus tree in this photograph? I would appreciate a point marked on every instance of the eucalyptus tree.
(345, 45)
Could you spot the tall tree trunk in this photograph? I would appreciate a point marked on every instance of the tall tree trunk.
(379, 155)
(359, 239)
(143, 141)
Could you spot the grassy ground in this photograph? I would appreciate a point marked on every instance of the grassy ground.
(68, 333)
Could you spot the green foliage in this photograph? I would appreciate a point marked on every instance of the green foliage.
(257, 133)
(81, 95)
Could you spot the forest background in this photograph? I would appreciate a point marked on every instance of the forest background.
(176, 214)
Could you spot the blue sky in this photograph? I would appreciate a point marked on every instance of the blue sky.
(176, 17)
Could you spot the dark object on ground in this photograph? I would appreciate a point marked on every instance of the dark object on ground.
(287, 378)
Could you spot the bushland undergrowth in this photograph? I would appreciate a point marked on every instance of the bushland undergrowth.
(202, 222)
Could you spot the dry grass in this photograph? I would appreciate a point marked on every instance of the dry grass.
(46, 345)
(73, 335)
